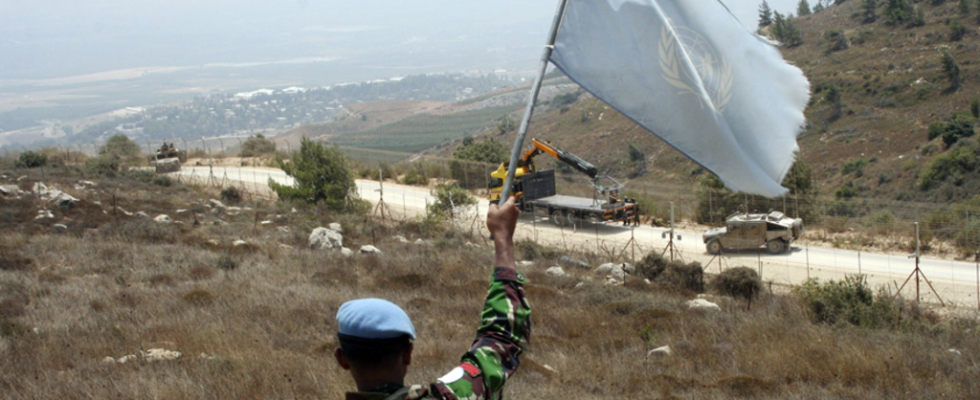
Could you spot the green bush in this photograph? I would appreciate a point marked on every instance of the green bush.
(684, 276)
(122, 148)
(416, 176)
(258, 146)
(447, 196)
(738, 282)
(103, 165)
(849, 300)
(226, 263)
(652, 265)
(957, 164)
(855, 166)
(30, 159)
(231, 195)
(321, 175)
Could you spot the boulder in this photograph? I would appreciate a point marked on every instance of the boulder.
(180, 211)
(216, 203)
(283, 229)
(323, 238)
(370, 250)
(163, 219)
(41, 214)
(265, 223)
(420, 242)
(9, 190)
(335, 227)
(346, 252)
(611, 270)
(63, 199)
(702, 304)
(555, 271)
(400, 239)
(573, 262)
(525, 263)
(60, 226)
(239, 242)
(285, 246)
(142, 214)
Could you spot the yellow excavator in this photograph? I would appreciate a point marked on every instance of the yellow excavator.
(535, 190)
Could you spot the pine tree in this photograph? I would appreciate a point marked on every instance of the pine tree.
(765, 15)
(870, 12)
(951, 69)
(818, 8)
(803, 8)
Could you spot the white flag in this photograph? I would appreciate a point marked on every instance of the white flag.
(691, 74)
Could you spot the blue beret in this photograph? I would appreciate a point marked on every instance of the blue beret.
(374, 319)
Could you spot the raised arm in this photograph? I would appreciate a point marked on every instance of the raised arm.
(505, 328)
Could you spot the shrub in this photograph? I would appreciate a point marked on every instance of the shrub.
(738, 282)
(321, 175)
(231, 195)
(849, 300)
(122, 148)
(416, 176)
(258, 146)
(685, 276)
(226, 263)
(651, 266)
(530, 250)
(30, 159)
(104, 165)
(198, 297)
(161, 180)
(855, 166)
(448, 198)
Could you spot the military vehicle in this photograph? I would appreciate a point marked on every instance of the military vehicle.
(167, 159)
(773, 231)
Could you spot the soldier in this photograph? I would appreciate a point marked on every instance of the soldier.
(376, 335)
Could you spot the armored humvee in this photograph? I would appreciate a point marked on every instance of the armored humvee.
(773, 231)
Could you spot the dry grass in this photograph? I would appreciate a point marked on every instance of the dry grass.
(265, 328)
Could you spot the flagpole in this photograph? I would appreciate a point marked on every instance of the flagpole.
(515, 152)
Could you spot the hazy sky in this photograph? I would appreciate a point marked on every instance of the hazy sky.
(55, 38)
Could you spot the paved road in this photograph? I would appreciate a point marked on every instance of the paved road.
(955, 281)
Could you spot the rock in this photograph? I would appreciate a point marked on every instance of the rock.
(323, 238)
(213, 242)
(662, 351)
(108, 360)
(219, 222)
(180, 211)
(22, 177)
(573, 262)
(293, 210)
(611, 270)
(335, 227)
(470, 244)
(346, 252)
(525, 263)
(60, 226)
(233, 209)
(163, 219)
(9, 190)
(629, 268)
(142, 214)
(216, 204)
(63, 199)
(283, 229)
(580, 284)
(400, 239)
(370, 250)
(239, 242)
(265, 222)
(285, 246)
(954, 351)
(701, 304)
(160, 355)
(420, 242)
(87, 183)
(41, 214)
(39, 188)
(555, 271)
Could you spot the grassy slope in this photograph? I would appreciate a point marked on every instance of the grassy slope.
(111, 285)
(363, 116)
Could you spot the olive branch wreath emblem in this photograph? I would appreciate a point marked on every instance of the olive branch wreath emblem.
(670, 65)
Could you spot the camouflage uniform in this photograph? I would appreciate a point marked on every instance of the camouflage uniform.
(493, 357)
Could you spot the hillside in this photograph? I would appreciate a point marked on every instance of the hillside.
(892, 88)
(364, 116)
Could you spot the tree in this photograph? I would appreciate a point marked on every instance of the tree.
(833, 97)
(468, 169)
(919, 19)
(803, 8)
(837, 39)
(818, 8)
(448, 198)
(120, 147)
(31, 159)
(951, 69)
(956, 30)
(489, 151)
(966, 6)
(899, 12)
(258, 146)
(765, 15)
(870, 11)
(506, 124)
(638, 158)
(321, 174)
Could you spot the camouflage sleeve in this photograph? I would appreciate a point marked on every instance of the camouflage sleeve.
(502, 337)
